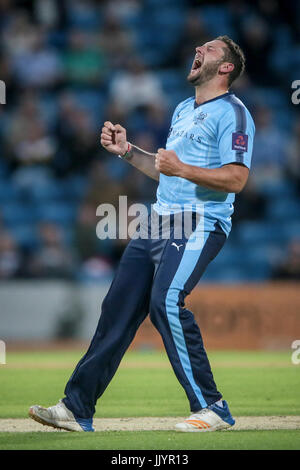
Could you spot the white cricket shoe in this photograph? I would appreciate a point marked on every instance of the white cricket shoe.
(212, 418)
(60, 417)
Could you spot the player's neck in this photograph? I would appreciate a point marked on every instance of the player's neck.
(207, 91)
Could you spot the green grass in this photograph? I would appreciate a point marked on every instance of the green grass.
(158, 440)
(254, 383)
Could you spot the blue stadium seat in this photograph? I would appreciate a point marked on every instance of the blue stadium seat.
(60, 213)
(272, 97)
(170, 79)
(226, 254)
(173, 84)
(152, 57)
(57, 39)
(25, 235)
(285, 209)
(278, 189)
(3, 169)
(14, 213)
(48, 105)
(74, 188)
(224, 276)
(92, 101)
(217, 20)
(145, 38)
(176, 97)
(284, 120)
(168, 20)
(233, 274)
(242, 257)
(8, 192)
(291, 230)
(156, 4)
(262, 254)
(88, 19)
(51, 191)
(251, 233)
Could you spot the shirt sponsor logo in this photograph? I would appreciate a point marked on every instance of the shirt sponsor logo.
(199, 118)
(239, 142)
(175, 133)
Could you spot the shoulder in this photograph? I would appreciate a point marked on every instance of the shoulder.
(184, 103)
(187, 101)
(234, 109)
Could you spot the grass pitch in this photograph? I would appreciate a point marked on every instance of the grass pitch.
(254, 384)
(150, 440)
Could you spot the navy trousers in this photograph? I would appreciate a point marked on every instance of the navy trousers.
(154, 277)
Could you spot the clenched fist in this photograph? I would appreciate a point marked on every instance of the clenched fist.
(113, 138)
(167, 162)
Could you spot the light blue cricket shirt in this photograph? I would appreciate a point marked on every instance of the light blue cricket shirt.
(209, 135)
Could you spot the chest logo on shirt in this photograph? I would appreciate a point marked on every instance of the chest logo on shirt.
(239, 142)
(199, 118)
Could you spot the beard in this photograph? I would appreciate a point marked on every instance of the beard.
(205, 73)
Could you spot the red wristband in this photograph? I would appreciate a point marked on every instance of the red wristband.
(126, 154)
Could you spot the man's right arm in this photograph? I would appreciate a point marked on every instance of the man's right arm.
(113, 139)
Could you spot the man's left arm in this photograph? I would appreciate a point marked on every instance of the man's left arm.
(230, 178)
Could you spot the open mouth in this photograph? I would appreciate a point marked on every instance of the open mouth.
(197, 64)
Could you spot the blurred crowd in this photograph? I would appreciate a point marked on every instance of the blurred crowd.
(69, 65)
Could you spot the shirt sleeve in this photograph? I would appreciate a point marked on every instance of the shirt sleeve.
(176, 113)
(235, 136)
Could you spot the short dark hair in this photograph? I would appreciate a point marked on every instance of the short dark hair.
(233, 54)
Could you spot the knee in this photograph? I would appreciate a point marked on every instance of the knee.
(164, 303)
(156, 306)
(105, 303)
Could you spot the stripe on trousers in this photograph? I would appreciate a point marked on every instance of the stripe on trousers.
(184, 271)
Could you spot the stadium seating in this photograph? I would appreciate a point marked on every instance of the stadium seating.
(254, 246)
